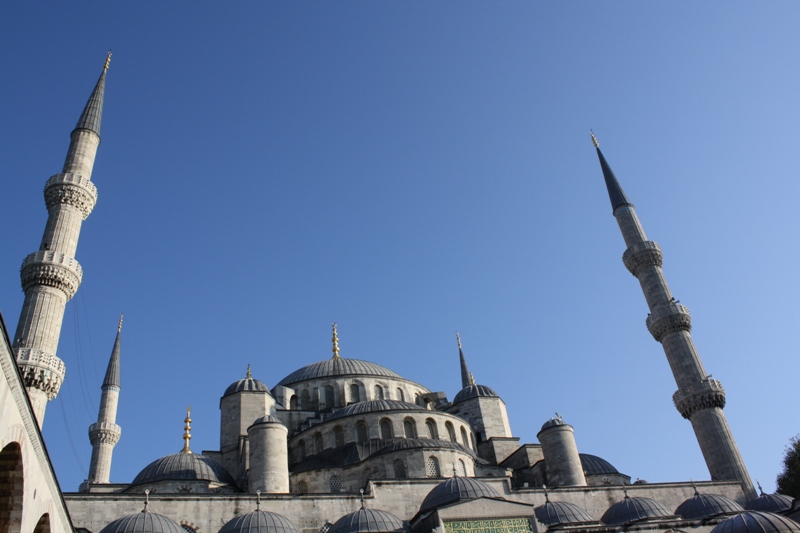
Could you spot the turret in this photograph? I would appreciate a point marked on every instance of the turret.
(105, 433)
(51, 276)
(561, 457)
(269, 456)
(699, 398)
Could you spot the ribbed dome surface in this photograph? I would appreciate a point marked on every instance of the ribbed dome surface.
(553, 422)
(596, 465)
(367, 520)
(770, 503)
(410, 444)
(373, 406)
(457, 489)
(632, 509)
(266, 420)
(552, 513)
(705, 505)
(184, 466)
(337, 367)
(474, 391)
(143, 522)
(246, 384)
(260, 522)
(757, 522)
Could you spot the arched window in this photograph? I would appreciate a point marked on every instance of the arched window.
(399, 469)
(362, 435)
(451, 431)
(366, 476)
(472, 440)
(432, 467)
(293, 403)
(433, 432)
(43, 525)
(464, 438)
(12, 490)
(386, 429)
(301, 450)
(461, 468)
(301, 487)
(400, 395)
(336, 484)
(338, 436)
(319, 444)
(355, 395)
(305, 400)
(185, 527)
(410, 428)
(330, 397)
(378, 392)
(416, 398)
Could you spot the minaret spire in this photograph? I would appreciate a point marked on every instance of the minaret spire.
(105, 433)
(51, 276)
(187, 428)
(335, 341)
(466, 376)
(699, 398)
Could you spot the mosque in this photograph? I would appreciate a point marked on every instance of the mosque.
(347, 446)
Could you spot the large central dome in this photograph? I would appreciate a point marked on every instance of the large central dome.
(335, 367)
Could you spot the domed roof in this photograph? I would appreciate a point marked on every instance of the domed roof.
(757, 522)
(632, 509)
(184, 466)
(552, 513)
(367, 520)
(247, 384)
(474, 391)
(373, 406)
(457, 489)
(143, 522)
(769, 503)
(410, 444)
(553, 422)
(267, 419)
(337, 366)
(260, 522)
(593, 465)
(704, 505)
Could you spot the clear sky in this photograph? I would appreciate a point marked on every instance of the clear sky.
(408, 170)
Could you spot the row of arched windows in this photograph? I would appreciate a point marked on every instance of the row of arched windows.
(305, 402)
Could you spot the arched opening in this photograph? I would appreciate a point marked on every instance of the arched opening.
(378, 392)
(362, 435)
(11, 488)
(461, 468)
(464, 438)
(43, 525)
(399, 469)
(410, 428)
(400, 395)
(433, 431)
(472, 440)
(366, 476)
(305, 400)
(293, 403)
(338, 436)
(451, 431)
(319, 444)
(432, 467)
(386, 429)
(301, 487)
(301, 450)
(336, 484)
(355, 393)
(330, 397)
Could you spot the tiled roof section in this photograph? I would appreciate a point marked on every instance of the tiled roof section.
(552, 513)
(757, 522)
(367, 520)
(246, 384)
(260, 522)
(456, 489)
(93, 112)
(337, 367)
(633, 509)
(112, 378)
(705, 505)
(184, 466)
(474, 391)
(373, 406)
(770, 503)
(143, 522)
(596, 465)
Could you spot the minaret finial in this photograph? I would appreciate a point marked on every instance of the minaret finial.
(362, 497)
(694, 486)
(471, 379)
(187, 428)
(759, 488)
(258, 500)
(625, 490)
(249, 375)
(546, 497)
(146, 499)
(594, 139)
(108, 61)
(335, 340)
(458, 340)
(119, 326)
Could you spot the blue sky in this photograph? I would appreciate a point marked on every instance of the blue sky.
(408, 170)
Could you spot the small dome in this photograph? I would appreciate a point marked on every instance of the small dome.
(268, 419)
(474, 391)
(553, 513)
(770, 503)
(457, 489)
(338, 366)
(553, 422)
(184, 467)
(373, 406)
(143, 522)
(705, 505)
(246, 385)
(632, 509)
(593, 465)
(260, 522)
(757, 522)
(367, 520)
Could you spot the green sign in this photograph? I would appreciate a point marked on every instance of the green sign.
(495, 525)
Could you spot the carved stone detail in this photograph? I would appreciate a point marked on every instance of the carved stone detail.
(702, 395)
(642, 254)
(668, 319)
(71, 189)
(41, 370)
(53, 269)
(104, 433)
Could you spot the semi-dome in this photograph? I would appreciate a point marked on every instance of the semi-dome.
(474, 391)
(260, 522)
(552, 513)
(757, 522)
(705, 505)
(410, 444)
(633, 509)
(367, 520)
(336, 367)
(593, 465)
(457, 489)
(247, 384)
(770, 503)
(143, 522)
(184, 467)
(373, 406)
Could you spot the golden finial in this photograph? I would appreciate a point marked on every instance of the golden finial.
(594, 139)
(335, 342)
(249, 375)
(471, 379)
(458, 340)
(108, 61)
(187, 427)
(119, 326)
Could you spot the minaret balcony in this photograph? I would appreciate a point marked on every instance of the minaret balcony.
(704, 394)
(104, 433)
(53, 269)
(669, 318)
(642, 254)
(41, 370)
(71, 189)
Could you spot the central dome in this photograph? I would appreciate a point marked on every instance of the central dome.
(184, 467)
(335, 367)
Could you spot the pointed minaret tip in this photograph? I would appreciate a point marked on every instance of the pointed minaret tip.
(92, 114)
(108, 61)
(112, 378)
(615, 192)
(466, 376)
(594, 139)
(119, 326)
(335, 340)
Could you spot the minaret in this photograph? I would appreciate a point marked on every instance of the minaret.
(699, 398)
(466, 377)
(51, 276)
(105, 434)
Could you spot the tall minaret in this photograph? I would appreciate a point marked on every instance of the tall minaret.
(51, 276)
(105, 434)
(699, 397)
(466, 376)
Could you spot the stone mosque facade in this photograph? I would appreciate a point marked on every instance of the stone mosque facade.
(347, 446)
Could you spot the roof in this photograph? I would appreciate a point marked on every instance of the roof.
(457, 489)
(366, 520)
(93, 112)
(552, 513)
(553, 422)
(770, 503)
(112, 378)
(757, 522)
(246, 385)
(593, 465)
(338, 366)
(267, 419)
(705, 505)
(409, 444)
(184, 466)
(373, 406)
(474, 391)
(260, 522)
(143, 522)
(615, 192)
(633, 509)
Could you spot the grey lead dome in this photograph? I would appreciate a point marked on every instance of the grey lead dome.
(143, 522)
(260, 522)
(633, 509)
(184, 467)
(757, 522)
(705, 505)
(553, 513)
(367, 520)
(457, 489)
(246, 385)
(338, 367)
(474, 391)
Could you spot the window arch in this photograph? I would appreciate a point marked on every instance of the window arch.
(355, 393)
(386, 429)
(400, 395)
(464, 438)
(472, 440)
(432, 467)
(461, 468)
(11, 481)
(399, 469)
(336, 484)
(378, 392)
(330, 397)
(451, 431)
(43, 525)
(319, 443)
(338, 436)
(305, 400)
(301, 450)
(433, 431)
(410, 428)
(293, 403)
(301, 487)
(362, 434)
(366, 476)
